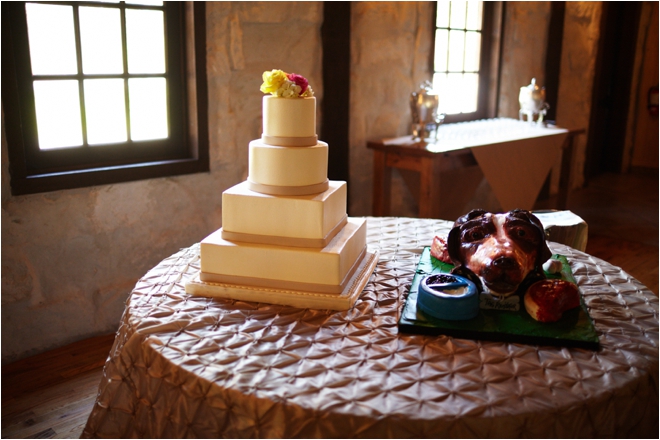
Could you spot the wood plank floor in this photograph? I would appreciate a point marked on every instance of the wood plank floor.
(51, 395)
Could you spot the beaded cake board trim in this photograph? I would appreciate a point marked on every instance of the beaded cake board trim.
(295, 298)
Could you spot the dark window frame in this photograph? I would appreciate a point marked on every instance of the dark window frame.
(488, 63)
(185, 152)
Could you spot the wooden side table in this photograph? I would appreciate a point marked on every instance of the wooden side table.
(413, 155)
(431, 163)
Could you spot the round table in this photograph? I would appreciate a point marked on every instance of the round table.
(184, 366)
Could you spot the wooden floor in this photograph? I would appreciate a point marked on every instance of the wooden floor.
(51, 395)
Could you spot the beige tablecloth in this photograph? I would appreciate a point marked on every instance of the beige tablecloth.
(183, 366)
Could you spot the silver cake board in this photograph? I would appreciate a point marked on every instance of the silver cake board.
(295, 298)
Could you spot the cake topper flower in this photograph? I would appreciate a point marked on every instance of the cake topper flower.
(286, 85)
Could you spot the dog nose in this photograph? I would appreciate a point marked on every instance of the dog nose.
(505, 263)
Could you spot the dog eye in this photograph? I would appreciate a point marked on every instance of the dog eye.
(474, 234)
(524, 234)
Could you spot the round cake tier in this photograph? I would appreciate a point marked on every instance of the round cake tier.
(289, 121)
(288, 170)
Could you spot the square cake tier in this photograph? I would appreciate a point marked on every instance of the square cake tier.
(325, 269)
(307, 221)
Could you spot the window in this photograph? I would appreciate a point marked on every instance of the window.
(103, 92)
(461, 58)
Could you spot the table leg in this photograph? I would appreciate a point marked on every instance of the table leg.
(382, 185)
(429, 198)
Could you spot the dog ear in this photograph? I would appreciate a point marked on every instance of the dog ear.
(454, 245)
(469, 216)
(544, 253)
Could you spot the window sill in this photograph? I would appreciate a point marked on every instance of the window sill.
(39, 183)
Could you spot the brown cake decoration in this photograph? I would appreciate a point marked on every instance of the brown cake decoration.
(547, 300)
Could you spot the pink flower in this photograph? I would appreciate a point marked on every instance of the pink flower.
(299, 80)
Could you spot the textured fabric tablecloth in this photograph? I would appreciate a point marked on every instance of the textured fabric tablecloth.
(185, 366)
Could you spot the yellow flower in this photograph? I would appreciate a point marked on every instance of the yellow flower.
(273, 80)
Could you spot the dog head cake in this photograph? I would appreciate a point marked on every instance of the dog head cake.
(501, 252)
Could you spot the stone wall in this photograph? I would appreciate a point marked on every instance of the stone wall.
(70, 258)
(390, 45)
(524, 51)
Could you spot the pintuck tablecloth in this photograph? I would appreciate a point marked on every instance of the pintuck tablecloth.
(184, 366)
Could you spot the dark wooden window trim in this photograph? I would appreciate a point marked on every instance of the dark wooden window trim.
(487, 66)
(336, 40)
(553, 57)
(189, 154)
(619, 28)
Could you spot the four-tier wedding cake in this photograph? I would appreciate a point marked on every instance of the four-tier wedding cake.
(285, 236)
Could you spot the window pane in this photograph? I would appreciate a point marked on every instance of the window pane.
(440, 85)
(456, 50)
(441, 45)
(105, 111)
(474, 15)
(100, 35)
(146, 41)
(472, 51)
(148, 107)
(470, 86)
(442, 18)
(58, 114)
(457, 92)
(457, 19)
(52, 39)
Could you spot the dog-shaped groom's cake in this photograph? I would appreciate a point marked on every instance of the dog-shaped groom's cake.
(504, 255)
(501, 253)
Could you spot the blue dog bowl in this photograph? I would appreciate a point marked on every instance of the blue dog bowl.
(449, 297)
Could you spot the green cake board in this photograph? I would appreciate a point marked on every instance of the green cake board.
(574, 329)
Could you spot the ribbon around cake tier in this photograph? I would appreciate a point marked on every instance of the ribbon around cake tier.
(281, 141)
(289, 190)
(284, 284)
(286, 241)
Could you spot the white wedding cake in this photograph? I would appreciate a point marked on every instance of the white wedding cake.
(285, 236)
